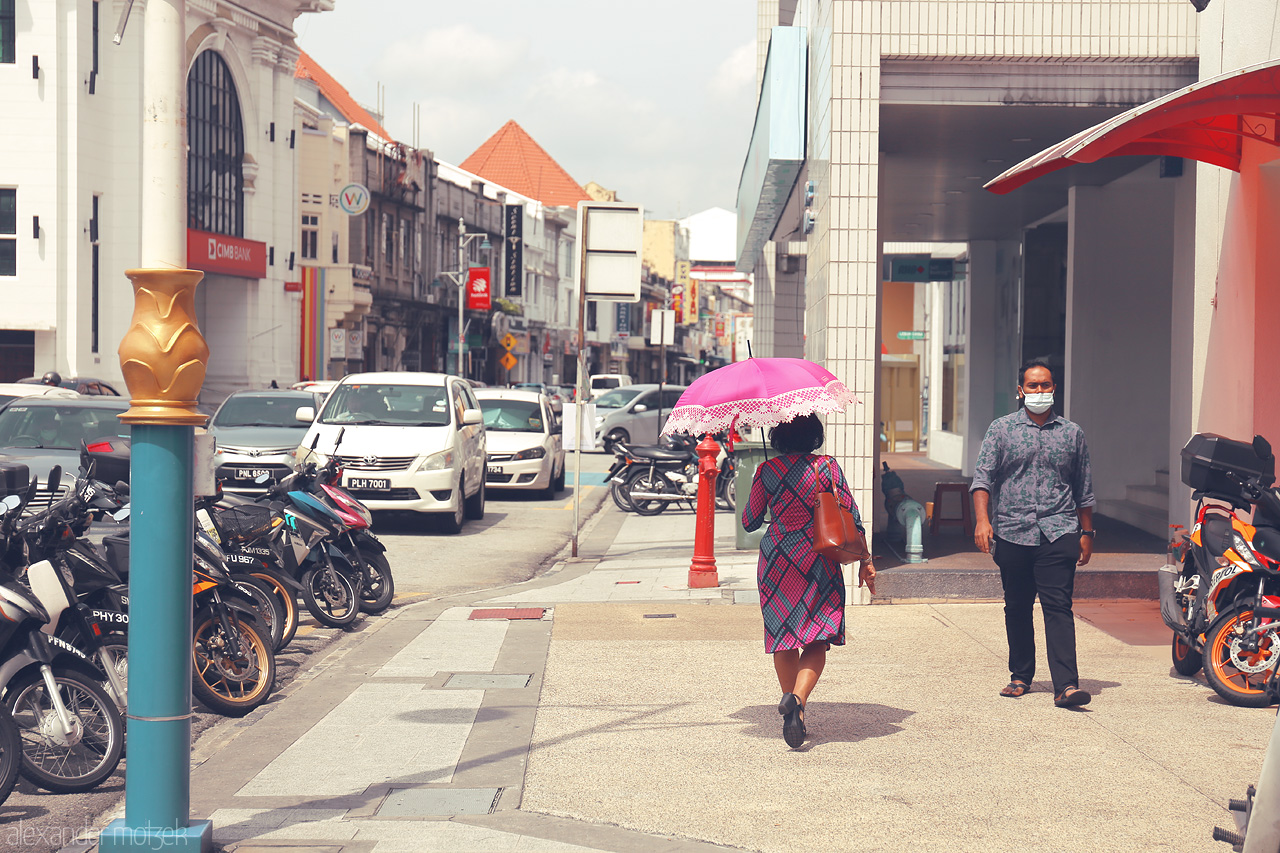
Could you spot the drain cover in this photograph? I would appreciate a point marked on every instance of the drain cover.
(439, 802)
(659, 616)
(508, 613)
(488, 682)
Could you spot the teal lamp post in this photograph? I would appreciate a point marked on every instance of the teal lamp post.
(163, 358)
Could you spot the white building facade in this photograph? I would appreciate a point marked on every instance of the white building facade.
(70, 185)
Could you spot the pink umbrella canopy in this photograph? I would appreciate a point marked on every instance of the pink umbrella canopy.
(760, 392)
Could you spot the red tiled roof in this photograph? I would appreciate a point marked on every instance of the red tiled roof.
(511, 158)
(309, 69)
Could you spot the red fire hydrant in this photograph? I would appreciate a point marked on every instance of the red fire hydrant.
(702, 571)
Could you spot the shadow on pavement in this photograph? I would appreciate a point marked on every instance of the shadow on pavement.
(828, 722)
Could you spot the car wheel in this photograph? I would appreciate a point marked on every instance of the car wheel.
(614, 436)
(452, 523)
(475, 504)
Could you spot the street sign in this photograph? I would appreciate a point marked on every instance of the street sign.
(508, 341)
(337, 343)
(355, 344)
(612, 234)
(918, 268)
(911, 336)
(354, 199)
(508, 360)
(664, 327)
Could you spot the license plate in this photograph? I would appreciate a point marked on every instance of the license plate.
(496, 469)
(368, 483)
(251, 473)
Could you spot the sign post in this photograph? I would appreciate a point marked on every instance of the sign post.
(611, 237)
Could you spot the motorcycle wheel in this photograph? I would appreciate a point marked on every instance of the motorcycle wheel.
(1186, 660)
(227, 685)
(1238, 676)
(265, 605)
(653, 482)
(66, 765)
(283, 594)
(10, 754)
(376, 595)
(620, 497)
(330, 597)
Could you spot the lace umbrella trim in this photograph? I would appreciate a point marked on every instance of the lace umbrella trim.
(832, 398)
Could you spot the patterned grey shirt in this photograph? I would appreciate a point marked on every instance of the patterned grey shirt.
(1037, 476)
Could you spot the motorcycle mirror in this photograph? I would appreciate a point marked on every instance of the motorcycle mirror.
(315, 441)
(121, 514)
(55, 478)
(11, 502)
(262, 478)
(1261, 447)
(338, 442)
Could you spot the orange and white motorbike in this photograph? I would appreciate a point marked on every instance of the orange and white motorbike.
(1230, 568)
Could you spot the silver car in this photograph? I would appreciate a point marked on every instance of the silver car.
(256, 433)
(630, 414)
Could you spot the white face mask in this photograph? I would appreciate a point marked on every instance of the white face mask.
(1038, 403)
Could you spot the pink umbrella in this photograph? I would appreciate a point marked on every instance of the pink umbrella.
(760, 392)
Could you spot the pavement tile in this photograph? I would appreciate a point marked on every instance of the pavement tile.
(451, 645)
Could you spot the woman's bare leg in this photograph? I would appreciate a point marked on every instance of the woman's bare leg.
(787, 665)
(809, 670)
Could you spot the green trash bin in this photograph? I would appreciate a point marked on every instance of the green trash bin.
(749, 458)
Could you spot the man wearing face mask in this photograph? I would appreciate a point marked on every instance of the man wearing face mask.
(1033, 508)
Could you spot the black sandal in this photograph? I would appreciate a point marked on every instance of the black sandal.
(793, 730)
(1015, 688)
(1072, 697)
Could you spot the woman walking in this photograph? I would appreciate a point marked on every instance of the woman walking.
(801, 592)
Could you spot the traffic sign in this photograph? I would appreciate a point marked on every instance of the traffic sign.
(508, 343)
(508, 360)
(911, 336)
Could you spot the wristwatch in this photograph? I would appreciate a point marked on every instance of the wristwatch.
(1089, 533)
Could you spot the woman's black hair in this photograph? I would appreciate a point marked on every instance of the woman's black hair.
(802, 435)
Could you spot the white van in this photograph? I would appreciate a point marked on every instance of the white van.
(601, 382)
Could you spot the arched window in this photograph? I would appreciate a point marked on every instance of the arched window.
(215, 139)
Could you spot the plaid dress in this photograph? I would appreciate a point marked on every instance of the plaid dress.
(801, 592)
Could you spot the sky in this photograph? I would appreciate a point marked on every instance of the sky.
(654, 99)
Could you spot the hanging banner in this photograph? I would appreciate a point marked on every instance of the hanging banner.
(513, 215)
(691, 302)
(478, 296)
(622, 319)
(677, 302)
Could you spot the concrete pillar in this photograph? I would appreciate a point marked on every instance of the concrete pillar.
(992, 351)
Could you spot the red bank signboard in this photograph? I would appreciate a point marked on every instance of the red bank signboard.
(478, 298)
(221, 253)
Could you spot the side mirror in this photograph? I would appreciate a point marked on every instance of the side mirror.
(305, 414)
(1261, 447)
(640, 407)
(55, 479)
(9, 504)
(472, 416)
(262, 478)
(121, 514)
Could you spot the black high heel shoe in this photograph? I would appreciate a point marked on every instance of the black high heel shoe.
(793, 731)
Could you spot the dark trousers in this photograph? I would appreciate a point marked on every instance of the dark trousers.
(1048, 569)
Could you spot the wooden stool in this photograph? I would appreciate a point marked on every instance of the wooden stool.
(965, 519)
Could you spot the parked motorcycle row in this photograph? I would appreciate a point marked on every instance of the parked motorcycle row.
(646, 479)
(64, 605)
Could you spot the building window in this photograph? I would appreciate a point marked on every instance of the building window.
(388, 239)
(310, 236)
(591, 316)
(335, 247)
(95, 40)
(215, 142)
(7, 25)
(8, 230)
(403, 240)
(94, 236)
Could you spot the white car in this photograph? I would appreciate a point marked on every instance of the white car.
(525, 446)
(10, 391)
(406, 441)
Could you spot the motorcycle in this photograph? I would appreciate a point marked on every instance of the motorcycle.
(1230, 568)
(646, 478)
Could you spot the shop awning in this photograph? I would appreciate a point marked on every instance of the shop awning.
(1206, 121)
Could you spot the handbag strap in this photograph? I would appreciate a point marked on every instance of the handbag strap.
(829, 487)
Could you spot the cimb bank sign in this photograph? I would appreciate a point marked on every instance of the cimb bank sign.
(227, 255)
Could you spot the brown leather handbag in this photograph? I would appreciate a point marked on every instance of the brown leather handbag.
(835, 534)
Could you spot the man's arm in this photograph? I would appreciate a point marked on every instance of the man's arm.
(1082, 490)
(983, 474)
(982, 532)
(1085, 514)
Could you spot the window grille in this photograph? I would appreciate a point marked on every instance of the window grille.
(215, 138)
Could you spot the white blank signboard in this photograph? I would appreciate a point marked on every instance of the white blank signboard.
(573, 435)
(664, 327)
(613, 237)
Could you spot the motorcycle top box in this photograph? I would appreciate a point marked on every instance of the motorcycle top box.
(1209, 458)
(15, 478)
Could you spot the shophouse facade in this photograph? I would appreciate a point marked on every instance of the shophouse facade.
(881, 121)
(70, 185)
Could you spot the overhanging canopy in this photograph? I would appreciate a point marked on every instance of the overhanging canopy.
(1206, 121)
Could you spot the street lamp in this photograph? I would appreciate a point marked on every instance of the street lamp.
(460, 278)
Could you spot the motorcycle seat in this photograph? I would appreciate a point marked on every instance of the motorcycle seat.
(1216, 534)
(661, 454)
(232, 499)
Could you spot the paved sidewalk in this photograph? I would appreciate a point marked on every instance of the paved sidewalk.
(635, 714)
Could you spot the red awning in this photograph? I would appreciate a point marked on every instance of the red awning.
(1206, 121)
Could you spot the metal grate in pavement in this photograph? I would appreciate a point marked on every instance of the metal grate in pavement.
(508, 613)
(439, 802)
(482, 681)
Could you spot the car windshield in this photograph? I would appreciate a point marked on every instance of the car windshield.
(243, 410)
(5, 398)
(58, 427)
(617, 398)
(512, 415)
(380, 404)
